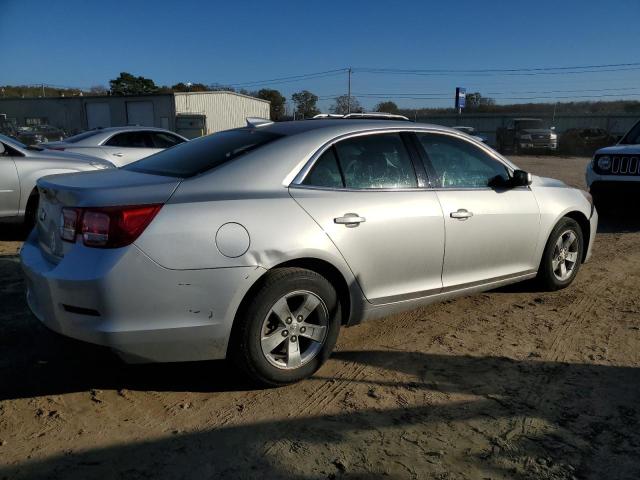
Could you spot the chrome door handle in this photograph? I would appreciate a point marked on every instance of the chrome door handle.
(118, 154)
(461, 214)
(350, 220)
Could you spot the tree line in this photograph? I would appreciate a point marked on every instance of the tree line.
(305, 102)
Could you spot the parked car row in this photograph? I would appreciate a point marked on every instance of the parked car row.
(259, 243)
(21, 165)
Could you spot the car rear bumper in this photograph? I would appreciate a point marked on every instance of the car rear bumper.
(121, 299)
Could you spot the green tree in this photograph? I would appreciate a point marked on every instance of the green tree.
(189, 87)
(475, 100)
(387, 107)
(277, 111)
(305, 103)
(341, 105)
(127, 84)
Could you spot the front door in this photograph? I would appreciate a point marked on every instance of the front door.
(491, 231)
(363, 192)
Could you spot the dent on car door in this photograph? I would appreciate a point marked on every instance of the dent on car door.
(9, 185)
(491, 230)
(363, 192)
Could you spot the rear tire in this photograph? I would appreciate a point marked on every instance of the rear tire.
(288, 329)
(562, 255)
(30, 212)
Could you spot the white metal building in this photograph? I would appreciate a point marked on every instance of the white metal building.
(223, 110)
(196, 113)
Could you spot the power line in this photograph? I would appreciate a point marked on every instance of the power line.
(291, 78)
(502, 70)
(489, 74)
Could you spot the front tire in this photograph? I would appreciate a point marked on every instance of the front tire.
(562, 255)
(288, 329)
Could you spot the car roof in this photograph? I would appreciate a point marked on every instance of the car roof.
(333, 127)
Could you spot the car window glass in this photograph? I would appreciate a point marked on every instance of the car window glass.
(376, 161)
(460, 164)
(325, 172)
(131, 140)
(165, 140)
(202, 154)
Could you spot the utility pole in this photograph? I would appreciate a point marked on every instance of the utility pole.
(43, 90)
(349, 92)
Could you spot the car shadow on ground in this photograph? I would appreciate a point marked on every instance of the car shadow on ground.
(619, 220)
(588, 428)
(590, 411)
(12, 233)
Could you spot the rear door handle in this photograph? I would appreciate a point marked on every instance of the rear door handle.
(118, 154)
(461, 214)
(350, 220)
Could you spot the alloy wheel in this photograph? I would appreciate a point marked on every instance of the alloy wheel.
(565, 255)
(294, 330)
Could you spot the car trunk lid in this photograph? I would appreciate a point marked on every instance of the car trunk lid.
(104, 188)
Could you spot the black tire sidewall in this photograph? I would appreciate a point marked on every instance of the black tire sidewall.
(248, 349)
(546, 275)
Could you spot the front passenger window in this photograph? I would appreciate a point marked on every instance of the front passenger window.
(460, 164)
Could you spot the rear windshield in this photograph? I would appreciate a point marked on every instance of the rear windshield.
(197, 156)
(81, 136)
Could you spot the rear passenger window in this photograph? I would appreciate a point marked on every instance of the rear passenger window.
(376, 161)
(325, 172)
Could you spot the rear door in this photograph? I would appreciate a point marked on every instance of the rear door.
(127, 147)
(491, 231)
(9, 185)
(364, 193)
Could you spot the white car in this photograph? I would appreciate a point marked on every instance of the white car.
(119, 145)
(615, 170)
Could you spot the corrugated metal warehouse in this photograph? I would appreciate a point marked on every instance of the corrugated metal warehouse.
(190, 113)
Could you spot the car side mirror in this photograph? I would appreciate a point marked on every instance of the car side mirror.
(2, 149)
(520, 178)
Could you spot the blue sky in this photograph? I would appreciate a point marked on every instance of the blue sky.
(85, 43)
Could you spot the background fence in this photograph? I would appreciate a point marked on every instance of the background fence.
(487, 123)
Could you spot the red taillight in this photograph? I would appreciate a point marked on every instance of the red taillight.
(111, 227)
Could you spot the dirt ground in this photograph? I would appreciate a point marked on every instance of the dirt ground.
(514, 383)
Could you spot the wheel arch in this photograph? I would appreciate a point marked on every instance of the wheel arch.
(585, 226)
(322, 267)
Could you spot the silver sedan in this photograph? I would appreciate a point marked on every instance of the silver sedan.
(259, 243)
(21, 166)
(119, 145)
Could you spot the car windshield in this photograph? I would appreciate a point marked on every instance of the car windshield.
(633, 137)
(528, 124)
(81, 136)
(200, 155)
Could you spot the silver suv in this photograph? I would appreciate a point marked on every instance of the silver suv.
(259, 243)
(614, 173)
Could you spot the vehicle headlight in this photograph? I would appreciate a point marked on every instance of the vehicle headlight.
(100, 166)
(553, 136)
(604, 163)
(525, 137)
